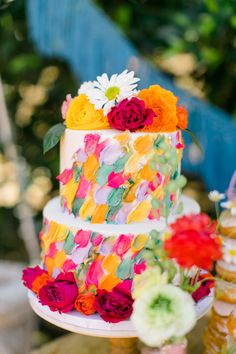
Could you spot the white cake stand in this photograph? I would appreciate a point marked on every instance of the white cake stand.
(122, 335)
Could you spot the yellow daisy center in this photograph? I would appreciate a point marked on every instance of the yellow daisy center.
(112, 92)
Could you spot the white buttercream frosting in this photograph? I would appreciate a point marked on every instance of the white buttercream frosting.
(53, 212)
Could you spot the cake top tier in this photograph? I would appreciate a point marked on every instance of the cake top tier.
(115, 103)
(121, 151)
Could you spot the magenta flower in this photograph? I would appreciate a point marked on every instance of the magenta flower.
(59, 294)
(30, 274)
(116, 305)
(130, 115)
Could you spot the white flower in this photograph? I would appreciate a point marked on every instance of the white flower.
(215, 196)
(231, 205)
(87, 85)
(107, 92)
(229, 254)
(150, 277)
(163, 312)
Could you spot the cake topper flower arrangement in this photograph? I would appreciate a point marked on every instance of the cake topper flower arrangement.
(115, 103)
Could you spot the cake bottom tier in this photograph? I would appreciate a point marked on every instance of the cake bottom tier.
(99, 255)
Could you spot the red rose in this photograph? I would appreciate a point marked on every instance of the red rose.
(29, 276)
(130, 115)
(115, 306)
(59, 294)
(193, 242)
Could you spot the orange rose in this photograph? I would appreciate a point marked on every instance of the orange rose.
(182, 116)
(163, 103)
(85, 303)
(40, 281)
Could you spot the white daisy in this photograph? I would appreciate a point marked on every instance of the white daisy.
(215, 196)
(87, 85)
(229, 254)
(231, 205)
(107, 92)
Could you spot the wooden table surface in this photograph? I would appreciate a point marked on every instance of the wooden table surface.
(79, 344)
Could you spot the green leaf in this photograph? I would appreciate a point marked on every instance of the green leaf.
(195, 140)
(53, 136)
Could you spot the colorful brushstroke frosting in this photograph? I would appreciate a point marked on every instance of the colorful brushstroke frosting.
(95, 259)
(122, 177)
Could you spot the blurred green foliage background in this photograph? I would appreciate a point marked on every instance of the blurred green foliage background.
(193, 41)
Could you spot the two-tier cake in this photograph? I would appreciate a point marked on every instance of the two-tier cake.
(120, 158)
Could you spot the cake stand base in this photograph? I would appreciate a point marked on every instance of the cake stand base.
(121, 336)
(123, 346)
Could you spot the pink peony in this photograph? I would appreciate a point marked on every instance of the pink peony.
(59, 294)
(130, 115)
(30, 275)
(115, 306)
(65, 105)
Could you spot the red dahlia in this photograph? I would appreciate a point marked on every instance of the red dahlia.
(193, 242)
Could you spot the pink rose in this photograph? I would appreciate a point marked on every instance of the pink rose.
(130, 115)
(29, 275)
(115, 306)
(59, 294)
(65, 105)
